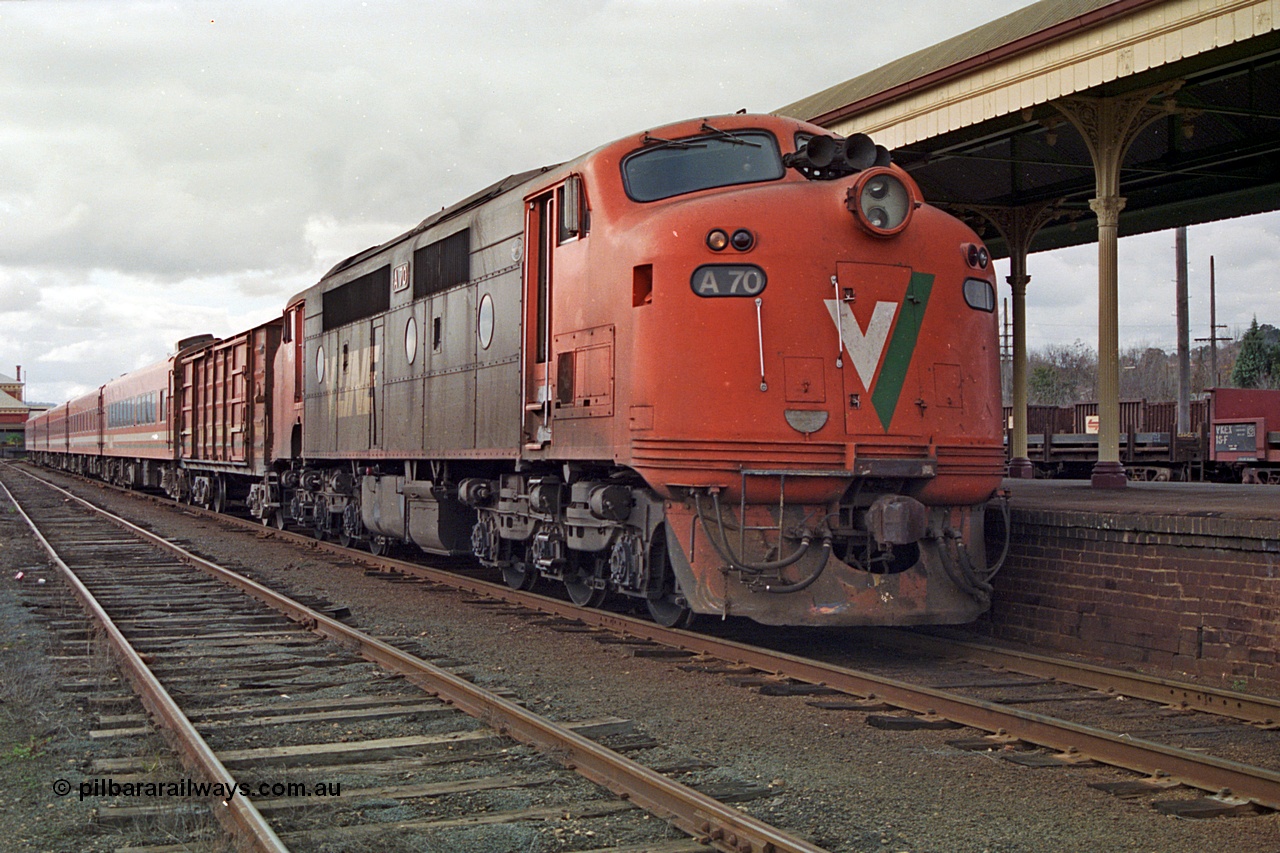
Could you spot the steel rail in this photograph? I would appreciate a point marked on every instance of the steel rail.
(1179, 694)
(1192, 769)
(696, 814)
(238, 815)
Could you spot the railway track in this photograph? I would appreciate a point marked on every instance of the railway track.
(303, 718)
(1007, 724)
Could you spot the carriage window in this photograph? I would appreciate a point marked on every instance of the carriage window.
(668, 168)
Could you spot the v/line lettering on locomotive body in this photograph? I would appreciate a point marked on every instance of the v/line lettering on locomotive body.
(728, 366)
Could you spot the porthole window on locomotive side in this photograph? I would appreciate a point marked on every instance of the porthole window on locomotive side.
(411, 339)
(485, 321)
(320, 364)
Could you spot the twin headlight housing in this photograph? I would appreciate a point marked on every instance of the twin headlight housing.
(881, 202)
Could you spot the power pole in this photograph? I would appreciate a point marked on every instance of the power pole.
(1184, 335)
(1213, 325)
(1213, 328)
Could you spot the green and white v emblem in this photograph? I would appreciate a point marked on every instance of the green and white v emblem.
(866, 346)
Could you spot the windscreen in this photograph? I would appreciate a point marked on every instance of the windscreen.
(671, 168)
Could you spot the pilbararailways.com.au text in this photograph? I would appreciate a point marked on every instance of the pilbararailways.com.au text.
(194, 789)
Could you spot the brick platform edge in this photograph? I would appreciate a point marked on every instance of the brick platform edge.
(1195, 593)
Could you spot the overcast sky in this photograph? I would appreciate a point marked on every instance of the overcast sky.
(168, 168)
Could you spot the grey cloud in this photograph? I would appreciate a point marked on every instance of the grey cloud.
(240, 149)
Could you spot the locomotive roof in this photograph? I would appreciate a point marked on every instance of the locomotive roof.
(490, 192)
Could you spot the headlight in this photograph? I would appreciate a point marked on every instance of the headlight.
(881, 202)
(976, 256)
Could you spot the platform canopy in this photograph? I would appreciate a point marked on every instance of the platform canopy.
(1074, 121)
(978, 119)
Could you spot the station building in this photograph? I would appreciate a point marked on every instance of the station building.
(13, 414)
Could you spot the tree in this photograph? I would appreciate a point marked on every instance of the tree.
(1148, 373)
(1253, 367)
(1059, 375)
(1045, 387)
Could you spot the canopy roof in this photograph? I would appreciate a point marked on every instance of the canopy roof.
(974, 118)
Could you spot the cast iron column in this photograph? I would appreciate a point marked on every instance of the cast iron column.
(1109, 126)
(1019, 226)
(1108, 473)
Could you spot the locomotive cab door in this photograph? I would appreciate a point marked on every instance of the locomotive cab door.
(375, 383)
(553, 220)
(539, 217)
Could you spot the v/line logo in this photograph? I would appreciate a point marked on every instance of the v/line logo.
(866, 347)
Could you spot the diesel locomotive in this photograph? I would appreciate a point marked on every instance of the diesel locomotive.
(731, 366)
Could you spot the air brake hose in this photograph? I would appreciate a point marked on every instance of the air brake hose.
(1008, 539)
(725, 551)
(807, 582)
(960, 570)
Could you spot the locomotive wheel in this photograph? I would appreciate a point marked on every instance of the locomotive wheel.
(277, 518)
(379, 545)
(667, 613)
(519, 575)
(666, 609)
(583, 594)
(344, 539)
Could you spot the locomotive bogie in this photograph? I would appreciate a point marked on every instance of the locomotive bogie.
(594, 535)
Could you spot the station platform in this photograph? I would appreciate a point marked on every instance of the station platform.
(1218, 500)
(1182, 576)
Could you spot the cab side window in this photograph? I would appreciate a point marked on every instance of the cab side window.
(571, 202)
